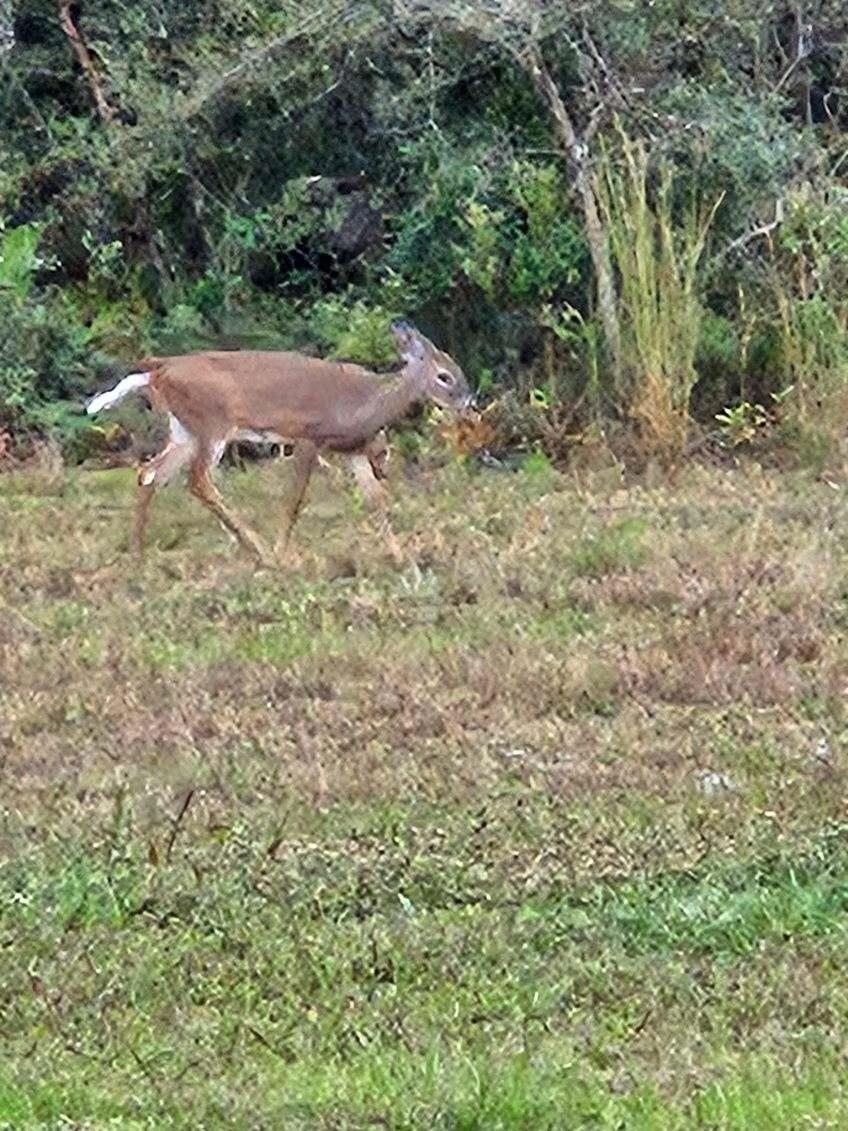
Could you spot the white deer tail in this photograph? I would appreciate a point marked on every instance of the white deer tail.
(113, 396)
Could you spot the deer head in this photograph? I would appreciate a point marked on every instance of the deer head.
(435, 373)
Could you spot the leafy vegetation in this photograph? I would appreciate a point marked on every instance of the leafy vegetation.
(293, 175)
(545, 828)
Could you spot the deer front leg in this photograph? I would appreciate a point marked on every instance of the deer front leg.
(376, 499)
(202, 487)
(304, 459)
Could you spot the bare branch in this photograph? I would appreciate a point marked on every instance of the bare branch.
(790, 70)
(761, 232)
(175, 828)
(803, 50)
(600, 62)
(105, 112)
(324, 18)
(613, 86)
(595, 119)
(531, 60)
(516, 27)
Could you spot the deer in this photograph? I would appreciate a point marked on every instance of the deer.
(215, 397)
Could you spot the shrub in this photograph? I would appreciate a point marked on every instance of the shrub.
(355, 331)
(45, 350)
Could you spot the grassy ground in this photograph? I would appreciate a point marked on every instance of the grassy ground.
(545, 830)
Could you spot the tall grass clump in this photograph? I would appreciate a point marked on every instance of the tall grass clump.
(809, 281)
(656, 249)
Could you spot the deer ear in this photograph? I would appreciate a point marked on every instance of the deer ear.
(410, 344)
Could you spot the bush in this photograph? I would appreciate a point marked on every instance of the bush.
(45, 355)
(46, 352)
(355, 331)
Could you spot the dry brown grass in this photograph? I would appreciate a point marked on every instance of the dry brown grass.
(566, 788)
(528, 619)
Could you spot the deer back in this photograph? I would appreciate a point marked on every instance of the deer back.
(287, 394)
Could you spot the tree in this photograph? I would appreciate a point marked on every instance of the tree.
(520, 28)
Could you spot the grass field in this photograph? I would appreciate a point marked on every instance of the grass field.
(546, 829)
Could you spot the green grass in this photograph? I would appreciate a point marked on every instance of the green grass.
(348, 846)
(618, 546)
(346, 978)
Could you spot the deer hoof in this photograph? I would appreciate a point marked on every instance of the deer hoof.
(286, 557)
(279, 554)
(396, 554)
(263, 559)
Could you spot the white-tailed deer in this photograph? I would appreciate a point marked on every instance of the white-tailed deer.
(215, 398)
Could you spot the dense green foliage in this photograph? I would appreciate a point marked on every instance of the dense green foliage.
(294, 174)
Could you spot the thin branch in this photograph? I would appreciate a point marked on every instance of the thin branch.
(85, 59)
(177, 823)
(532, 61)
(595, 119)
(843, 157)
(263, 55)
(575, 146)
(600, 61)
(756, 233)
(612, 83)
(803, 51)
(790, 70)
(778, 45)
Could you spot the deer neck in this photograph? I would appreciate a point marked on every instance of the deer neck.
(394, 401)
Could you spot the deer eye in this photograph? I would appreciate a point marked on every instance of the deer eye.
(445, 378)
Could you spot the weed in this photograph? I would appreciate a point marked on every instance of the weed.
(619, 546)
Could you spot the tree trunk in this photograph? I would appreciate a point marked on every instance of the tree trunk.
(576, 151)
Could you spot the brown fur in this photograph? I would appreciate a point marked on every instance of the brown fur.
(317, 404)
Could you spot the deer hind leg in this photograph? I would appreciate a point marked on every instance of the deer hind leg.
(155, 474)
(368, 469)
(304, 457)
(202, 487)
